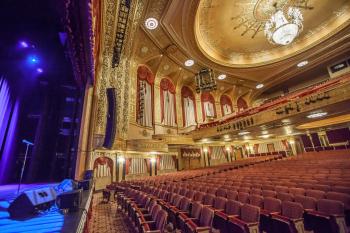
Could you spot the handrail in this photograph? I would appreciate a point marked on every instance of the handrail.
(285, 99)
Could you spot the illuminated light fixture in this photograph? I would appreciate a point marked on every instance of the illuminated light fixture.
(189, 63)
(151, 23)
(284, 27)
(243, 133)
(291, 141)
(222, 76)
(39, 70)
(205, 150)
(227, 136)
(317, 115)
(260, 85)
(264, 132)
(153, 160)
(302, 63)
(205, 80)
(228, 149)
(265, 136)
(121, 159)
(24, 44)
(32, 59)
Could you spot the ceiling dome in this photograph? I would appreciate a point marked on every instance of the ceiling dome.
(231, 32)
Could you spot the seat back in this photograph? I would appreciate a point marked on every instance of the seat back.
(269, 193)
(219, 203)
(185, 204)
(155, 210)
(196, 210)
(221, 192)
(243, 197)
(177, 200)
(281, 189)
(330, 207)
(306, 202)
(233, 207)
(256, 200)
(232, 195)
(256, 191)
(198, 196)
(315, 194)
(161, 220)
(250, 213)
(206, 218)
(292, 210)
(272, 204)
(285, 196)
(345, 198)
(208, 199)
(297, 191)
(190, 194)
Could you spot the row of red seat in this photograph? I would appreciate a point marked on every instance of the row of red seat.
(284, 184)
(196, 211)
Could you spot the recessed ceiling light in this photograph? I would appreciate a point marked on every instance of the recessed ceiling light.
(243, 133)
(260, 85)
(302, 63)
(189, 62)
(317, 115)
(264, 132)
(151, 23)
(222, 76)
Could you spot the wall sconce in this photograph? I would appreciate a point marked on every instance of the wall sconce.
(228, 149)
(291, 141)
(153, 160)
(121, 159)
(205, 150)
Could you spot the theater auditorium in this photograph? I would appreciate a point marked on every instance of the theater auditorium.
(175, 116)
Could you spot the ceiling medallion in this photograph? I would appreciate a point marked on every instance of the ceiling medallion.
(284, 27)
(205, 80)
(151, 23)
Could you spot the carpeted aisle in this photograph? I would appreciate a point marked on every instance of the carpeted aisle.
(104, 218)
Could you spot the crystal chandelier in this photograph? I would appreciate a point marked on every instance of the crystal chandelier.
(205, 80)
(283, 29)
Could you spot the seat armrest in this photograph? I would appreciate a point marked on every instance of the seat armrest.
(203, 229)
(318, 214)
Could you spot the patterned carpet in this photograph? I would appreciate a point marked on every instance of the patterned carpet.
(105, 217)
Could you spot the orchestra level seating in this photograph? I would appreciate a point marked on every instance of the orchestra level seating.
(306, 193)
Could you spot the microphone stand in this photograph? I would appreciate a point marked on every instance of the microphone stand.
(24, 164)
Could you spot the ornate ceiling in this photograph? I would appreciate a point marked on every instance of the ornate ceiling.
(231, 32)
(214, 34)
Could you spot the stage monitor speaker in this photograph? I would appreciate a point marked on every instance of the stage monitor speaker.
(66, 185)
(31, 201)
(111, 118)
(84, 184)
(88, 174)
(70, 200)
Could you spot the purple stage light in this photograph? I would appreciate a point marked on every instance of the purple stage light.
(39, 70)
(32, 59)
(24, 44)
